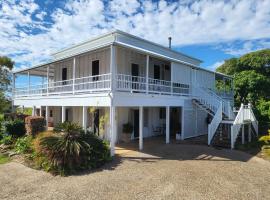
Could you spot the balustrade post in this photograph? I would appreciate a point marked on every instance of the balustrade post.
(171, 79)
(28, 74)
(48, 70)
(73, 75)
(147, 74)
(13, 91)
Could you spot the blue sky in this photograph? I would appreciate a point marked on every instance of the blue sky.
(210, 30)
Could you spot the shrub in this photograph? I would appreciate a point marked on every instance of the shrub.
(36, 141)
(68, 127)
(39, 158)
(34, 124)
(15, 128)
(6, 140)
(14, 116)
(265, 139)
(70, 149)
(23, 145)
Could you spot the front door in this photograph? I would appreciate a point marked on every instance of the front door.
(96, 122)
(136, 123)
(134, 74)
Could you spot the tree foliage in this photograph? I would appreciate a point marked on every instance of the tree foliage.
(6, 65)
(251, 80)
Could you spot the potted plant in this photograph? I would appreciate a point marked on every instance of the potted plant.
(127, 131)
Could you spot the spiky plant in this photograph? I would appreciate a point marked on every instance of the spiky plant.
(70, 149)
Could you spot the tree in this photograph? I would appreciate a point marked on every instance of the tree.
(6, 65)
(250, 86)
(251, 80)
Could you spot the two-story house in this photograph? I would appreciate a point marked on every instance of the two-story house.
(119, 78)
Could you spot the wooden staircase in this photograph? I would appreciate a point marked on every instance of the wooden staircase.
(224, 128)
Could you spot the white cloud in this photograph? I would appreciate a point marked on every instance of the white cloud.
(188, 22)
(245, 47)
(41, 15)
(214, 66)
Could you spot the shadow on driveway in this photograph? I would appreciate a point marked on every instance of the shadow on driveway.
(156, 149)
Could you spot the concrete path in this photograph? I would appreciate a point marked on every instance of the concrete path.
(175, 171)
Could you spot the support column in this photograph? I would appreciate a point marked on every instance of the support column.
(147, 74)
(84, 118)
(40, 112)
(112, 67)
(167, 125)
(171, 80)
(47, 117)
(73, 74)
(112, 130)
(249, 132)
(34, 111)
(28, 74)
(243, 134)
(48, 70)
(182, 124)
(141, 128)
(13, 92)
(63, 114)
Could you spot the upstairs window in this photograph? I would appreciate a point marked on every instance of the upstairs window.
(95, 69)
(64, 75)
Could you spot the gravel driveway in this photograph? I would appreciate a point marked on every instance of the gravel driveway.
(175, 171)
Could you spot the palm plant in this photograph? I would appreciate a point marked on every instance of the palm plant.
(70, 149)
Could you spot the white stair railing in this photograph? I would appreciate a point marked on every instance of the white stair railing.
(212, 127)
(253, 119)
(235, 128)
(206, 98)
(245, 113)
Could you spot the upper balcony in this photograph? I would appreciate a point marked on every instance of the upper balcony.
(103, 83)
(111, 69)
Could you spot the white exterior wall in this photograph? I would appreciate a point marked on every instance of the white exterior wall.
(125, 57)
(195, 123)
(150, 119)
(181, 73)
(84, 65)
(205, 79)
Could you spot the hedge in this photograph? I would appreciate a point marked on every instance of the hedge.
(14, 116)
(34, 125)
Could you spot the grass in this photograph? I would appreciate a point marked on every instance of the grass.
(4, 159)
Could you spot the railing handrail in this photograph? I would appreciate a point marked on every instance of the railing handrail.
(245, 113)
(124, 81)
(212, 127)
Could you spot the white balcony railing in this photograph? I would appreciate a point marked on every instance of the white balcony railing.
(102, 83)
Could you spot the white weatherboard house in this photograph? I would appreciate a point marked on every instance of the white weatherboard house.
(127, 79)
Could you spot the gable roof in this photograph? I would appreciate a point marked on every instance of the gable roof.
(127, 40)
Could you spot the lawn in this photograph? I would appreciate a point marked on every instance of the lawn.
(4, 159)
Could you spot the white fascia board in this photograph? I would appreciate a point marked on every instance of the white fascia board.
(124, 99)
(97, 100)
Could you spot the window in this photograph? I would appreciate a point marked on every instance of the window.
(162, 113)
(156, 72)
(51, 113)
(95, 69)
(64, 75)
